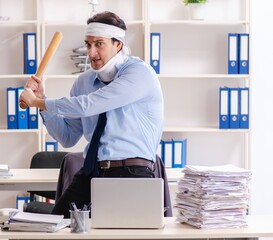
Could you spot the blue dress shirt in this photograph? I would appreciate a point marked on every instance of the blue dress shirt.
(134, 105)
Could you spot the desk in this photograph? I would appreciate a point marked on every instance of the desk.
(46, 179)
(30, 179)
(258, 226)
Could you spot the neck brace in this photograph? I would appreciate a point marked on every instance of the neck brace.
(108, 71)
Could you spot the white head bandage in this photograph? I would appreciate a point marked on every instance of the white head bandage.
(105, 30)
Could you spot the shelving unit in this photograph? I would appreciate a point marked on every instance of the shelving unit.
(193, 67)
(17, 146)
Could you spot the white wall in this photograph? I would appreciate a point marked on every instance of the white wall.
(262, 110)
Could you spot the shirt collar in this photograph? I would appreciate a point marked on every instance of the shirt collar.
(98, 81)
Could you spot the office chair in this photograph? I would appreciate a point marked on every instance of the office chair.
(43, 160)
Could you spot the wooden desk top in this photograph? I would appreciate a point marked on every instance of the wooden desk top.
(30, 179)
(258, 226)
(46, 179)
(51, 175)
(27, 175)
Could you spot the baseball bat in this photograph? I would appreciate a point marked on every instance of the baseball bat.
(50, 51)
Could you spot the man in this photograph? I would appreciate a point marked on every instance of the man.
(124, 87)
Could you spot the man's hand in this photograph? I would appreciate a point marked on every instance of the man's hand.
(28, 96)
(36, 85)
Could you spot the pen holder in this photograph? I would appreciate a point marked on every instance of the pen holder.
(79, 221)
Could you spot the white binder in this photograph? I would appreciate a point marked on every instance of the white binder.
(155, 52)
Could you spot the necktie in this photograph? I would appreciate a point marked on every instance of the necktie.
(90, 163)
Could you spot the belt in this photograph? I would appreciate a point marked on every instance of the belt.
(106, 164)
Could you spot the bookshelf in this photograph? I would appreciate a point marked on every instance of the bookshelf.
(18, 17)
(193, 67)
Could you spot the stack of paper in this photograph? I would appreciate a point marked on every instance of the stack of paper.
(4, 170)
(35, 222)
(5, 213)
(213, 197)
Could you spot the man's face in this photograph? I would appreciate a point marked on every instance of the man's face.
(100, 50)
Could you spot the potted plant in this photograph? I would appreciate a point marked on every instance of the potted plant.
(196, 8)
(186, 2)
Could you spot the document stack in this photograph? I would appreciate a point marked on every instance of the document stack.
(213, 197)
(35, 222)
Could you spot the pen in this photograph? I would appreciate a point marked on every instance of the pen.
(73, 206)
(86, 207)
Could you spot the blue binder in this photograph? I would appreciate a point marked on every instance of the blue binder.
(244, 108)
(179, 153)
(244, 53)
(20, 201)
(51, 146)
(30, 53)
(22, 114)
(168, 154)
(234, 108)
(12, 120)
(155, 52)
(224, 108)
(33, 118)
(233, 62)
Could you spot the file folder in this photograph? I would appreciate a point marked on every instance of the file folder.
(51, 146)
(33, 118)
(233, 64)
(179, 153)
(168, 153)
(234, 108)
(22, 114)
(20, 201)
(12, 120)
(155, 52)
(224, 108)
(30, 55)
(244, 53)
(244, 108)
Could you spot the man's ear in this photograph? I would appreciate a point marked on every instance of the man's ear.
(119, 45)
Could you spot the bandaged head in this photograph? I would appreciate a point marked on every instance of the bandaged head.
(96, 29)
(105, 30)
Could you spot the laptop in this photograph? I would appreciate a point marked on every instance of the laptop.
(127, 203)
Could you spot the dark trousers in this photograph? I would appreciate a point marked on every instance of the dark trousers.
(79, 190)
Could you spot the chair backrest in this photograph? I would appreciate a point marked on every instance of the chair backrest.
(46, 160)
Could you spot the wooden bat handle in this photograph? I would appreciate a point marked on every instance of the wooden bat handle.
(50, 51)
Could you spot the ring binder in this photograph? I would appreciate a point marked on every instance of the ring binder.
(33, 118)
(244, 53)
(155, 52)
(22, 114)
(244, 108)
(30, 55)
(224, 108)
(12, 120)
(234, 108)
(233, 53)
